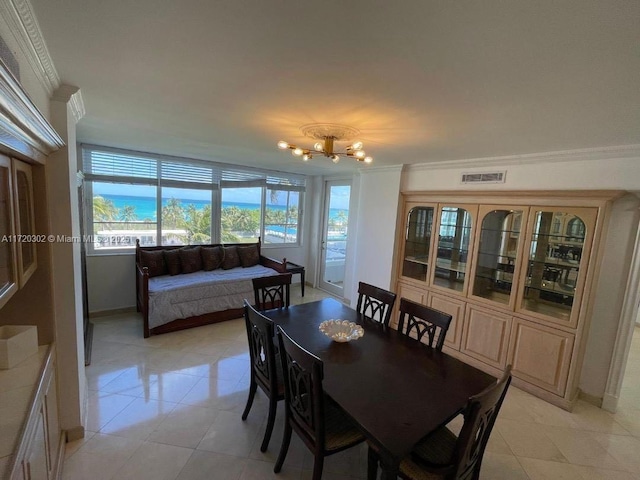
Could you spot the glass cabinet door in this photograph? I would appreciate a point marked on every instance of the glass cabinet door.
(25, 225)
(454, 235)
(8, 273)
(417, 242)
(556, 260)
(497, 253)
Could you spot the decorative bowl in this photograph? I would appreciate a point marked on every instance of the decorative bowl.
(341, 330)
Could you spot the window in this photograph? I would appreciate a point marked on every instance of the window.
(169, 201)
(281, 216)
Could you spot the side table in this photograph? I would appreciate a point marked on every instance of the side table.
(294, 268)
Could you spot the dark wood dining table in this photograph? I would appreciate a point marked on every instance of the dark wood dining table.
(396, 389)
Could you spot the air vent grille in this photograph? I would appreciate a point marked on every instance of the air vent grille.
(484, 177)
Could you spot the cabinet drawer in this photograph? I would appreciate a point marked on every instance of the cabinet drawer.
(485, 336)
(541, 355)
(455, 308)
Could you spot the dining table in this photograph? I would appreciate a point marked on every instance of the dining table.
(396, 389)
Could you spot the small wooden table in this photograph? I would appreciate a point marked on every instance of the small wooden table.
(294, 268)
(395, 388)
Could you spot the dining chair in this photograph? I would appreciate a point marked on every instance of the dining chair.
(442, 455)
(266, 371)
(320, 423)
(375, 303)
(272, 291)
(422, 320)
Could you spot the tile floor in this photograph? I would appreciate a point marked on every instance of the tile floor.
(169, 407)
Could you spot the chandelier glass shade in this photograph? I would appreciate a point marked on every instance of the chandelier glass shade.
(328, 134)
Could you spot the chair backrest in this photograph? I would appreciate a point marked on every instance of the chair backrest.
(272, 291)
(422, 320)
(303, 393)
(260, 334)
(375, 302)
(479, 418)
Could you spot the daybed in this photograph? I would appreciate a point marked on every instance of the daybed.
(180, 287)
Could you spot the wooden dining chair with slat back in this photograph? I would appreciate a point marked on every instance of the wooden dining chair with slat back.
(266, 371)
(428, 325)
(442, 455)
(375, 303)
(272, 292)
(320, 423)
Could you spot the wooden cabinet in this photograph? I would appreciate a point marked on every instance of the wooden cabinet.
(41, 445)
(541, 355)
(515, 271)
(8, 263)
(455, 308)
(485, 336)
(17, 227)
(24, 220)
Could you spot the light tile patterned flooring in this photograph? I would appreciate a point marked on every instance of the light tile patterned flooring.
(169, 407)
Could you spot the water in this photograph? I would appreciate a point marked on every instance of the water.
(145, 207)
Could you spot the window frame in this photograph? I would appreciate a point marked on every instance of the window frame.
(222, 176)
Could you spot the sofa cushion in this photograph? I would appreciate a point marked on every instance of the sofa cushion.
(172, 259)
(190, 260)
(211, 258)
(231, 258)
(154, 261)
(249, 256)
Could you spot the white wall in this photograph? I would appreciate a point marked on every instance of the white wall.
(378, 196)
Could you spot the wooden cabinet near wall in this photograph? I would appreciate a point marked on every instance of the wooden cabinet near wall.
(516, 272)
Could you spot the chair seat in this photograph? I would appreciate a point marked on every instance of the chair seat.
(339, 429)
(437, 449)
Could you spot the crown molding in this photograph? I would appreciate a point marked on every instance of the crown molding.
(383, 168)
(73, 96)
(579, 155)
(22, 22)
(24, 131)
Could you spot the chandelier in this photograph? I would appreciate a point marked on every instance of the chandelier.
(328, 134)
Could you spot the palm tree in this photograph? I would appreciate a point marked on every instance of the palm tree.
(128, 214)
(104, 210)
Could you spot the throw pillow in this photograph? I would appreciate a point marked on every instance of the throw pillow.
(231, 258)
(172, 259)
(154, 261)
(249, 256)
(190, 260)
(211, 257)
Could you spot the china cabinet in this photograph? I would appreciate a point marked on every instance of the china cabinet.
(515, 272)
(8, 264)
(24, 220)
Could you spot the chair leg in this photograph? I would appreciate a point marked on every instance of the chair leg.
(252, 393)
(273, 403)
(317, 467)
(372, 464)
(284, 448)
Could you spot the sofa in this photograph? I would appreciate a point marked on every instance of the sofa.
(180, 287)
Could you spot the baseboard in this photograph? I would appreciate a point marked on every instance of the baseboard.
(114, 311)
(75, 433)
(610, 403)
(592, 399)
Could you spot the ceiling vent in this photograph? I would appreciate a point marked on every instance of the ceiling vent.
(484, 177)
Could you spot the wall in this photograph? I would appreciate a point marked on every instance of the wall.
(375, 229)
(607, 168)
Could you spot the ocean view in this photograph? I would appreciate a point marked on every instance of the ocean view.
(145, 207)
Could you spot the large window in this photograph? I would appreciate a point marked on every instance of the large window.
(167, 201)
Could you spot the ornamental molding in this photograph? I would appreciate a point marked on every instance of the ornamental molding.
(618, 152)
(24, 131)
(73, 96)
(22, 22)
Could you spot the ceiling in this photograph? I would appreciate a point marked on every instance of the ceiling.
(422, 80)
